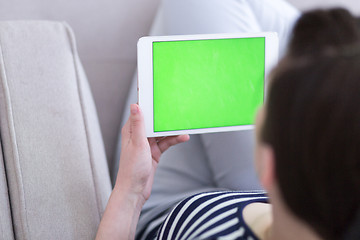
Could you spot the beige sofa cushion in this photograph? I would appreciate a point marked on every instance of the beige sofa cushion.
(6, 229)
(53, 153)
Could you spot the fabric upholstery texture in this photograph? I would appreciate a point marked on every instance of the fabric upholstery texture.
(6, 229)
(53, 153)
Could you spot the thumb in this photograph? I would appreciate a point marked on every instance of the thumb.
(137, 125)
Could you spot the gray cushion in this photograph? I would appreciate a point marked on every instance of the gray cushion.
(53, 152)
(6, 229)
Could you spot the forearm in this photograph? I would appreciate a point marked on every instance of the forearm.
(138, 161)
(120, 217)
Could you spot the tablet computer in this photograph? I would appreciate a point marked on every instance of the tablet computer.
(190, 84)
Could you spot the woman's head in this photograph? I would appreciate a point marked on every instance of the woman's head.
(312, 124)
(318, 30)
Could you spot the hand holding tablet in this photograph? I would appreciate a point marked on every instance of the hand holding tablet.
(203, 83)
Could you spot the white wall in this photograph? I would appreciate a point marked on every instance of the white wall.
(352, 5)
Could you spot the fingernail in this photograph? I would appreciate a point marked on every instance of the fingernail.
(133, 109)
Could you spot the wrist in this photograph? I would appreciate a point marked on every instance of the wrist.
(129, 197)
(121, 215)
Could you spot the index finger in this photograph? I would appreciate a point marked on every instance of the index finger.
(167, 142)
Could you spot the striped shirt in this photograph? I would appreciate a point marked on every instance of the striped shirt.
(211, 215)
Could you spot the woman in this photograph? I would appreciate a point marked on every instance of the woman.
(307, 154)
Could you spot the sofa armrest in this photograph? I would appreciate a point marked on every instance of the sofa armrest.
(53, 153)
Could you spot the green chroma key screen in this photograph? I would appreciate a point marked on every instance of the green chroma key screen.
(207, 83)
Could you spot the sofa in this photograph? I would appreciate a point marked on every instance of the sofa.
(65, 88)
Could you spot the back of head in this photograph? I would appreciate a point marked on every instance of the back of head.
(313, 124)
(319, 30)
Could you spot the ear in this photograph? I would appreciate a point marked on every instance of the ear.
(266, 168)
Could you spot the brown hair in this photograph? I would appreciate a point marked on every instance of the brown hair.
(320, 29)
(313, 124)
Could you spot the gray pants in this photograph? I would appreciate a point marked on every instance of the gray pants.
(221, 160)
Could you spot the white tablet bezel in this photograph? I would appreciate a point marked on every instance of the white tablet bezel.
(145, 75)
